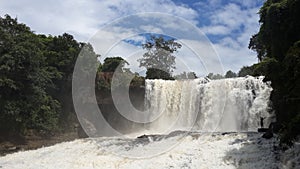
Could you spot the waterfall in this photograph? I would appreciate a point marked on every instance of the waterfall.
(235, 104)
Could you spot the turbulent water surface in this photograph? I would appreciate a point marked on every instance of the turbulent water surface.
(194, 150)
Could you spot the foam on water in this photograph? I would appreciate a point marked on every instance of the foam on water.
(195, 150)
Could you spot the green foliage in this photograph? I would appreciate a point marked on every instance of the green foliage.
(88, 60)
(36, 76)
(266, 66)
(159, 55)
(290, 131)
(256, 45)
(279, 23)
(186, 75)
(107, 69)
(115, 66)
(101, 83)
(246, 70)
(24, 77)
(215, 76)
(278, 47)
(112, 63)
(137, 81)
(153, 73)
(230, 74)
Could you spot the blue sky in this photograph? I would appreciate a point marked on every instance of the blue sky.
(228, 24)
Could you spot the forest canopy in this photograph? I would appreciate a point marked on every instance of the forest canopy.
(35, 78)
(278, 48)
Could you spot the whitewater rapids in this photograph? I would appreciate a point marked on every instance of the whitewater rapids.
(193, 151)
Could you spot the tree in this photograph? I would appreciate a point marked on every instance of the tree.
(230, 74)
(153, 73)
(186, 75)
(246, 70)
(24, 78)
(113, 66)
(278, 47)
(256, 45)
(61, 53)
(112, 63)
(159, 56)
(214, 77)
(35, 78)
(279, 23)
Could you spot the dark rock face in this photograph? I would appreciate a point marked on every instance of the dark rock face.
(268, 135)
(143, 136)
(262, 130)
(268, 132)
(275, 127)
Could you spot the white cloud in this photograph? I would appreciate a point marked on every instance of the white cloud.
(233, 59)
(150, 28)
(234, 23)
(84, 18)
(188, 61)
(248, 3)
(199, 57)
(216, 30)
(231, 16)
(50, 17)
(130, 53)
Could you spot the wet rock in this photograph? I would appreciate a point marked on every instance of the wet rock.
(275, 127)
(262, 130)
(143, 136)
(177, 133)
(226, 133)
(268, 134)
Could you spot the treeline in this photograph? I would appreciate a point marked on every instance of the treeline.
(35, 79)
(278, 48)
(244, 71)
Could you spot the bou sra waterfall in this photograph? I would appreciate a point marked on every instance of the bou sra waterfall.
(206, 111)
(225, 105)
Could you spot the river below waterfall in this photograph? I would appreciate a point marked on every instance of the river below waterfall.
(193, 150)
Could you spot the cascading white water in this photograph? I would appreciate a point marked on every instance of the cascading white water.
(235, 104)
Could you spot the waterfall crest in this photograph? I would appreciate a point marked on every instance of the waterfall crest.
(235, 104)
